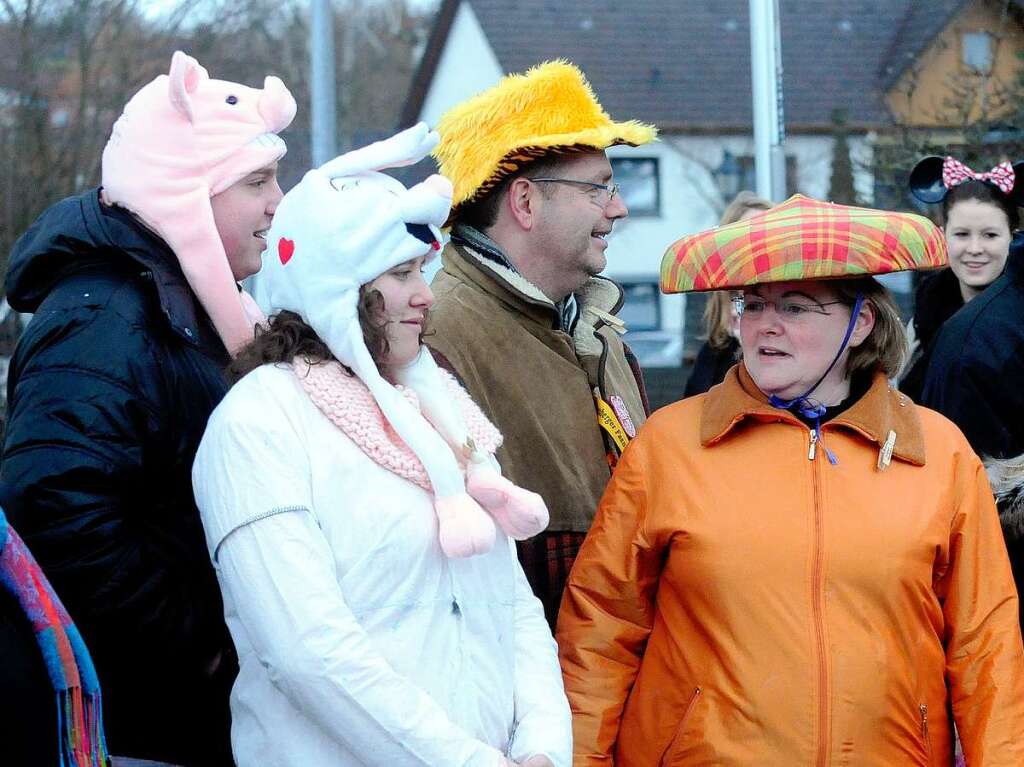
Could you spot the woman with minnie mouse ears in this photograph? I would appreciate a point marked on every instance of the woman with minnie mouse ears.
(980, 214)
(976, 373)
(356, 517)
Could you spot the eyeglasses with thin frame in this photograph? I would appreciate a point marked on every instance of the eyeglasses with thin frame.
(788, 310)
(609, 189)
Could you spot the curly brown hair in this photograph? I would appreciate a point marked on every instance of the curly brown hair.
(288, 336)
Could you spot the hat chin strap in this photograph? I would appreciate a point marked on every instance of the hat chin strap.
(809, 408)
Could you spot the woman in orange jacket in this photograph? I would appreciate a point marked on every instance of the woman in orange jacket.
(800, 567)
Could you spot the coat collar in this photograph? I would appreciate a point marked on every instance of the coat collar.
(881, 411)
(1015, 263)
(177, 300)
(599, 296)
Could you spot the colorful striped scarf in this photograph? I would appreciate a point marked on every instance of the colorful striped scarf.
(79, 707)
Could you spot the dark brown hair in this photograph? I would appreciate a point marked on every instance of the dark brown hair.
(482, 213)
(288, 336)
(972, 189)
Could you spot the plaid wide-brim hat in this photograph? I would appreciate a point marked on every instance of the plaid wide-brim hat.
(549, 109)
(802, 239)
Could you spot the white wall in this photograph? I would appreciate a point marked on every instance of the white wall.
(467, 66)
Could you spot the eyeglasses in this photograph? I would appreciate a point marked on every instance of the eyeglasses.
(609, 190)
(789, 310)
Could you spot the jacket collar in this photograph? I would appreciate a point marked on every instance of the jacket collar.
(599, 296)
(1015, 262)
(881, 411)
(177, 301)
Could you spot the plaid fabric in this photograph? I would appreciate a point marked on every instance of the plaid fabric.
(547, 560)
(802, 239)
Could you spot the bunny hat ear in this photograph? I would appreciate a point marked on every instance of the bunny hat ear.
(926, 180)
(405, 148)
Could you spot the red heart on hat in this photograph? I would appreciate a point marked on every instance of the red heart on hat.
(285, 250)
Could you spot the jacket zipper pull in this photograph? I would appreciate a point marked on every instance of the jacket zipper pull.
(813, 449)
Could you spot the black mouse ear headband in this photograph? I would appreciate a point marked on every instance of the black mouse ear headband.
(933, 177)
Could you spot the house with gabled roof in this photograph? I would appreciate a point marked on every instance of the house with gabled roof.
(684, 65)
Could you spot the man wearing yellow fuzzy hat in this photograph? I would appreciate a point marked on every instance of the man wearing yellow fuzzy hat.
(137, 310)
(522, 314)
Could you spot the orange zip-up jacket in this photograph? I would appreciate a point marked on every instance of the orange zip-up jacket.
(741, 601)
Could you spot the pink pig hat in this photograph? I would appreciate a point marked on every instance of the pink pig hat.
(180, 140)
(342, 226)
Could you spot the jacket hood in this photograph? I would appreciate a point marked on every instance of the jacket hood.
(1016, 256)
(80, 232)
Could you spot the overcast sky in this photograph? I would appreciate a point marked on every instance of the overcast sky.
(154, 8)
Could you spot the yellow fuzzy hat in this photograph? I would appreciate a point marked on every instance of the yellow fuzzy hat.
(550, 109)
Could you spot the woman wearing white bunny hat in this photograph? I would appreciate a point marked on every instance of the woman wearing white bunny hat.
(353, 509)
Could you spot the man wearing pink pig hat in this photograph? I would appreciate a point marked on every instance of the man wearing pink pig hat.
(134, 288)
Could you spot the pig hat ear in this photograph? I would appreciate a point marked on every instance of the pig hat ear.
(277, 106)
(185, 75)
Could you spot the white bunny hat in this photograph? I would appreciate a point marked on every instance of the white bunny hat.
(339, 228)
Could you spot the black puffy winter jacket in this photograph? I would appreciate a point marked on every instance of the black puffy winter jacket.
(976, 375)
(109, 391)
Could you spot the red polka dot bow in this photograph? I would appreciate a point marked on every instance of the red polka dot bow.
(955, 172)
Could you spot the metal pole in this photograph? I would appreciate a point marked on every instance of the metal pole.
(321, 64)
(766, 87)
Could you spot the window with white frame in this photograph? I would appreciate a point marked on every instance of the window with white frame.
(639, 185)
(641, 309)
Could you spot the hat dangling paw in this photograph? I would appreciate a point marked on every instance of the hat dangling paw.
(464, 529)
(520, 513)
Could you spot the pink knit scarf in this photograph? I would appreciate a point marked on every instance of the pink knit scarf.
(350, 406)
